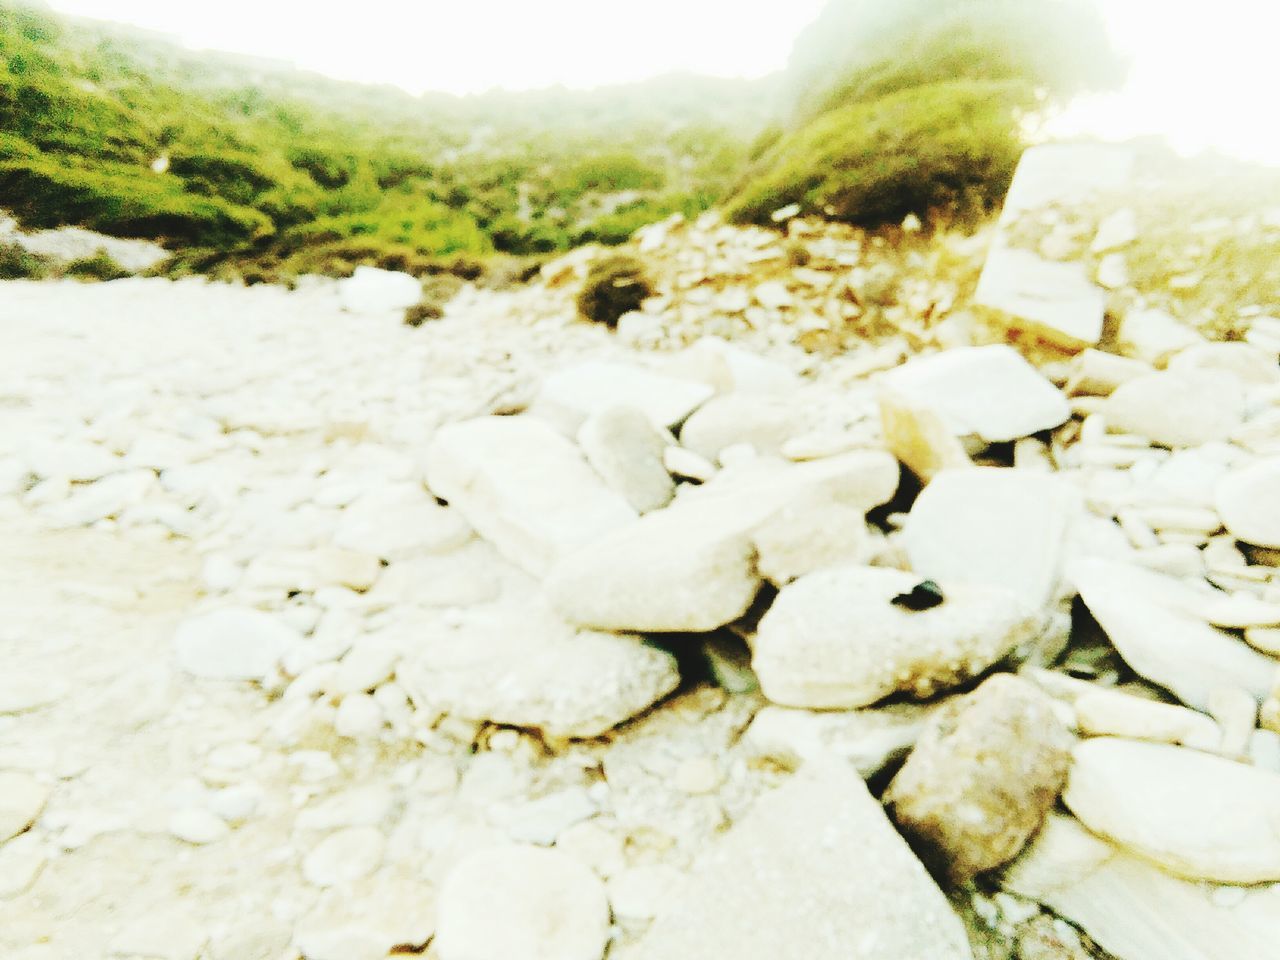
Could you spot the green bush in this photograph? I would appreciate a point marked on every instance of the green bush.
(944, 145)
(614, 286)
(17, 263)
(101, 266)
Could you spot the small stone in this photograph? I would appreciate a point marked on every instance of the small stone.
(348, 568)
(1108, 713)
(1113, 272)
(1178, 409)
(625, 449)
(698, 775)
(868, 739)
(1117, 230)
(774, 295)
(835, 640)
(521, 902)
(197, 826)
(1154, 336)
(919, 437)
(763, 421)
(542, 821)
(359, 717)
(984, 774)
(344, 856)
(22, 800)
(1249, 502)
(235, 643)
(371, 290)
(1198, 816)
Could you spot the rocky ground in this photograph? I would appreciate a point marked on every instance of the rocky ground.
(509, 637)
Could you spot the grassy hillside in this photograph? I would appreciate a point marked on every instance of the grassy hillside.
(245, 164)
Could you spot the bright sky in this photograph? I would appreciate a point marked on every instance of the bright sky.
(1203, 70)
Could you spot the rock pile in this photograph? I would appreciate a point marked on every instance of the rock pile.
(505, 637)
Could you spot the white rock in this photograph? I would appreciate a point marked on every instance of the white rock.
(1198, 816)
(167, 931)
(1003, 528)
(764, 421)
(542, 821)
(835, 640)
(1135, 910)
(691, 567)
(1113, 271)
(22, 800)
(919, 437)
(1107, 713)
(868, 739)
(525, 667)
(1241, 360)
(641, 893)
(1053, 300)
(371, 290)
(1155, 336)
(774, 295)
(73, 460)
(1249, 502)
(625, 449)
(368, 805)
(21, 860)
(1146, 616)
(397, 523)
(236, 643)
(522, 902)
(1095, 373)
(197, 826)
(1117, 230)
(989, 392)
(366, 920)
(731, 369)
(811, 533)
(524, 487)
(572, 394)
(1178, 409)
(359, 716)
(21, 692)
(344, 856)
(789, 860)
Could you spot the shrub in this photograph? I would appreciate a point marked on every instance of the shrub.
(946, 145)
(18, 263)
(101, 266)
(614, 286)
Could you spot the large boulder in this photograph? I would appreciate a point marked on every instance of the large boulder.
(825, 877)
(1194, 814)
(1178, 409)
(836, 639)
(523, 487)
(984, 774)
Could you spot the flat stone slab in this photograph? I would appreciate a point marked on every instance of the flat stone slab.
(1135, 910)
(988, 392)
(1148, 619)
(569, 396)
(1196, 815)
(523, 487)
(1249, 502)
(823, 876)
(1004, 528)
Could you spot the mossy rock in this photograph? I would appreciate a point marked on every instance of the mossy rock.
(941, 146)
(18, 263)
(101, 266)
(614, 286)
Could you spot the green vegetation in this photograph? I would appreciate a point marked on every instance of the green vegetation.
(614, 286)
(101, 266)
(17, 263)
(919, 106)
(265, 173)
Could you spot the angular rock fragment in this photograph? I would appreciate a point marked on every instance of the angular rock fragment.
(1135, 910)
(570, 395)
(1195, 815)
(522, 666)
(1003, 528)
(985, 772)
(524, 487)
(835, 640)
(991, 392)
(826, 876)
(693, 566)
(764, 421)
(919, 437)
(1148, 619)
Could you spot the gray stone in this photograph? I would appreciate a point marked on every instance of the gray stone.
(835, 640)
(625, 449)
(825, 877)
(524, 487)
(985, 772)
